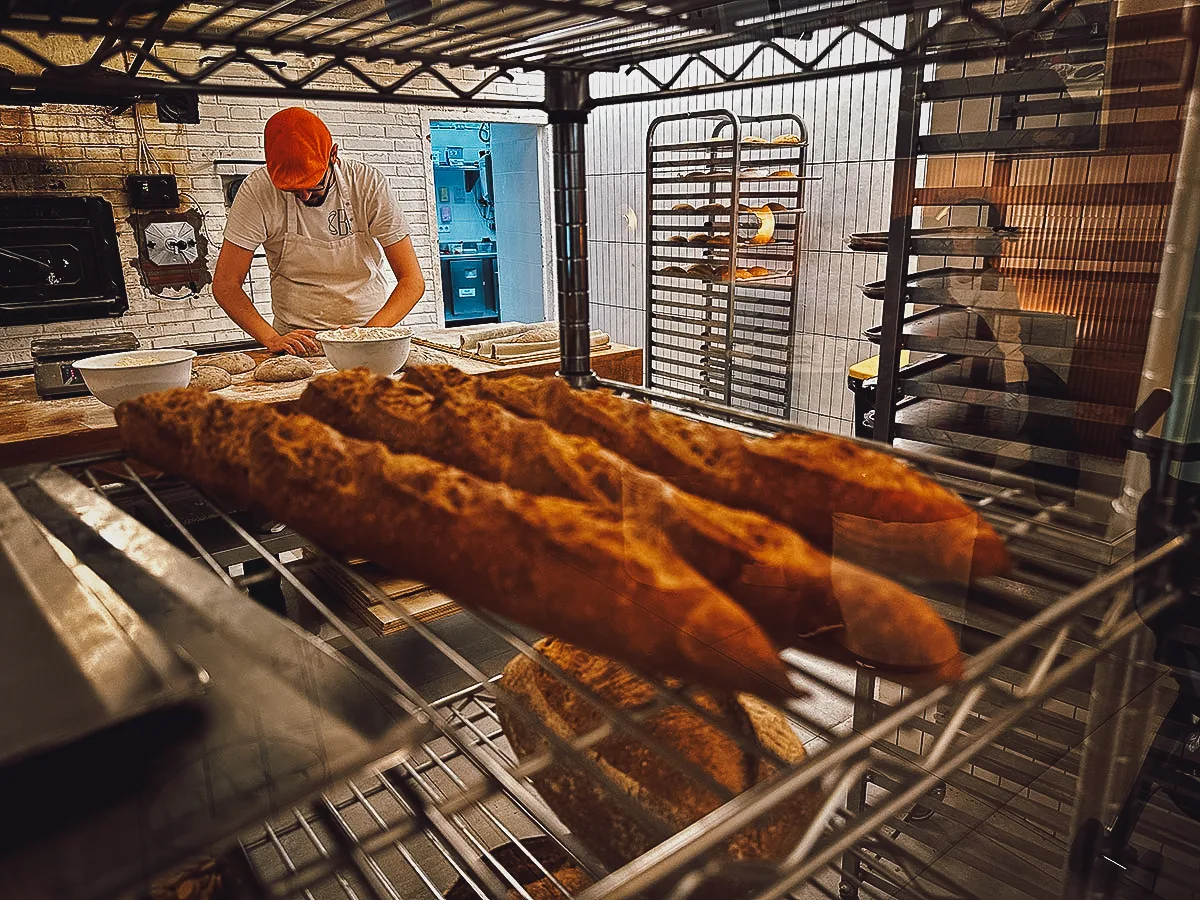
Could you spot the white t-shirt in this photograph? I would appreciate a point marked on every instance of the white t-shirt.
(258, 215)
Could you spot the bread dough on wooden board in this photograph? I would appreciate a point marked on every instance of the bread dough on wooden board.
(233, 363)
(423, 356)
(211, 378)
(283, 368)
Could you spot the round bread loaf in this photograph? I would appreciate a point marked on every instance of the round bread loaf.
(211, 378)
(283, 368)
(671, 795)
(233, 363)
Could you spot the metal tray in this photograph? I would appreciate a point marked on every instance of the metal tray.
(65, 635)
(283, 717)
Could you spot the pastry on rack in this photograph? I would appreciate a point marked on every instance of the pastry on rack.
(678, 239)
(782, 173)
(744, 273)
(700, 237)
(788, 139)
(674, 272)
(790, 588)
(629, 594)
(721, 273)
(754, 139)
(759, 271)
(751, 173)
(761, 238)
(856, 502)
(713, 208)
(719, 240)
(683, 207)
(701, 270)
(678, 766)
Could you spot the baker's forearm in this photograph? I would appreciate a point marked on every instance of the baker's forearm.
(239, 307)
(399, 303)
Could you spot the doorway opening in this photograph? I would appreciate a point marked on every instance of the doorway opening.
(487, 197)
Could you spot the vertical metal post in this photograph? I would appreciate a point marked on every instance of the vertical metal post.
(1171, 327)
(568, 104)
(904, 177)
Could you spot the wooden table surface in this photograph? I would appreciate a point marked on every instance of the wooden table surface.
(36, 430)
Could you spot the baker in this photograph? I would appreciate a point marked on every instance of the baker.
(326, 225)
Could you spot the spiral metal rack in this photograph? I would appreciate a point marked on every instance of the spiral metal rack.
(965, 790)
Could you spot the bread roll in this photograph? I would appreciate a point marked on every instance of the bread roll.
(562, 567)
(858, 504)
(788, 586)
(670, 794)
(210, 378)
(283, 368)
(233, 363)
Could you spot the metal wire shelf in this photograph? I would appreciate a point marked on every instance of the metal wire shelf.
(405, 50)
(435, 818)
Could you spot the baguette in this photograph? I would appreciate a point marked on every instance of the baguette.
(848, 500)
(563, 567)
(653, 779)
(790, 588)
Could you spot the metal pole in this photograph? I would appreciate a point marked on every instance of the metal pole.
(1176, 284)
(568, 104)
(904, 175)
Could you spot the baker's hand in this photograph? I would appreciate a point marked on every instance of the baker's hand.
(301, 342)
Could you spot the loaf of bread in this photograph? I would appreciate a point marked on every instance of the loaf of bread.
(562, 567)
(648, 771)
(853, 502)
(790, 588)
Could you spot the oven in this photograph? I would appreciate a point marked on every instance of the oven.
(59, 260)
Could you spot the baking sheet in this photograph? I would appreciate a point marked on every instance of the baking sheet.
(74, 658)
(283, 717)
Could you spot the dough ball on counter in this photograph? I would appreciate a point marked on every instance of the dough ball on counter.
(233, 363)
(283, 368)
(211, 378)
(423, 356)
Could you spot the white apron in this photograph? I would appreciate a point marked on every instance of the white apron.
(324, 284)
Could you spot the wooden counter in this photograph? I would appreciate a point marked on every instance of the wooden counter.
(36, 430)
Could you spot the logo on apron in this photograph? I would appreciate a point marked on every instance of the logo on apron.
(340, 222)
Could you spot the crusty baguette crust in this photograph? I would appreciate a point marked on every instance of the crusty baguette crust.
(667, 791)
(788, 586)
(856, 503)
(563, 567)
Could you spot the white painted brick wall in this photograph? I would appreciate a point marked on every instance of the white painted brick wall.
(84, 150)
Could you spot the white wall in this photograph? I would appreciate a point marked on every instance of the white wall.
(84, 150)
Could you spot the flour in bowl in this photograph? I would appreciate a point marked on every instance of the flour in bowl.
(127, 361)
(363, 333)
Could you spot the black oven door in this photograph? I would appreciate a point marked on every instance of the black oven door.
(58, 260)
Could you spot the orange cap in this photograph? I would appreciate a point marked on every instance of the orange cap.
(297, 146)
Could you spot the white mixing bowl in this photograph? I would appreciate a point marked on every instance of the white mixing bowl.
(116, 377)
(382, 350)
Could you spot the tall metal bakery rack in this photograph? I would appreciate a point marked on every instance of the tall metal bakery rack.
(723, 210)
(928, 792)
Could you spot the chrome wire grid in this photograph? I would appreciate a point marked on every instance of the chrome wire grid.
(398, 50)
(886, 757)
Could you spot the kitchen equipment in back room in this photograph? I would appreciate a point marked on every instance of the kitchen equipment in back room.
(59, 260)
(54, 371)
(469, 283)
